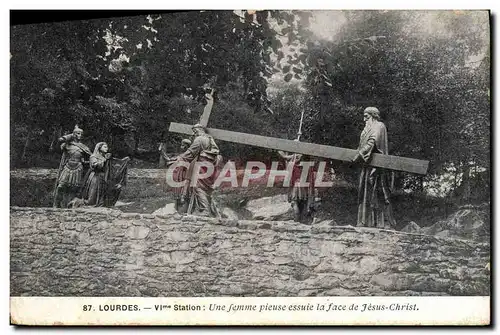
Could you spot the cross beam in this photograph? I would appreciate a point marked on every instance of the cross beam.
(317, 150)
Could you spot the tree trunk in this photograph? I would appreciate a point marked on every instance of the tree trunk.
(56, 134)
(136, 142)
(466, 188)
(26, 146)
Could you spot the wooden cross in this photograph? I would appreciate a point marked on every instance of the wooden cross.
(317, 150)
(208, 108)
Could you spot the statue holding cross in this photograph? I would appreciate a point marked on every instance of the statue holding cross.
(375, 159)
(374, 193)
(197, 192)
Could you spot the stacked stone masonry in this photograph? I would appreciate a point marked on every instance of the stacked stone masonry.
(80, 252)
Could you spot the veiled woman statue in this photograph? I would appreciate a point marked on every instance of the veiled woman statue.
(106, 178)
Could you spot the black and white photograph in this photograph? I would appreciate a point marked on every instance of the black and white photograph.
(250, 154)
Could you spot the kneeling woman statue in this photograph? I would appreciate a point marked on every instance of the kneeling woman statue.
(105, 179)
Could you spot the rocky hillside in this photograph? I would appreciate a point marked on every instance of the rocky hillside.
(86, 252)
(468, 222)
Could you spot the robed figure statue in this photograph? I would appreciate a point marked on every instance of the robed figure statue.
(374, 203)
(179, 175)
(301, 193)
(105, 179)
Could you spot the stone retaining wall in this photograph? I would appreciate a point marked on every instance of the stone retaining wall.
(37, 173)
(82, 252)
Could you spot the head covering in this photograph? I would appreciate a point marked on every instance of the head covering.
(97, 149)
(77, 129)
(198, 125)
(373, 111)
(186, 141)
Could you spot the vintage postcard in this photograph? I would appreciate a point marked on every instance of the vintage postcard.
(250, 167)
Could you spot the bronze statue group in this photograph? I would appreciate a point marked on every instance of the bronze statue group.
(106, 176)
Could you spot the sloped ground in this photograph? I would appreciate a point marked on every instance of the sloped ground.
(468, 222)
(101, 252)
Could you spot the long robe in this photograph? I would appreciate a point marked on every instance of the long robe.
(201, 202)
(302, 197)
(101, 182)
(374, 206)
(181, 193)
(296, 191)
(116, 175)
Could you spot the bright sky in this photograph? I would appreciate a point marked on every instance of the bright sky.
(325, 24)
